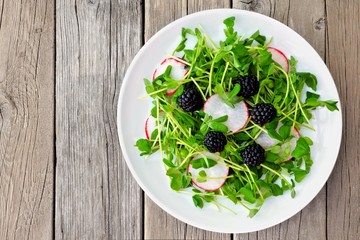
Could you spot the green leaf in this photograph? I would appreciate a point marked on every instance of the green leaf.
(229, 192)
(196, 190)
(312, 99)
(220, 90)
(309, 78)
(203, 163)
(284, 131)
(219, 127)
(259, 38)
(272, 125)
(173, 172)
(265, 59)
(275, 149)
(302, 148)
(149, 88)
(154, 134)
(308, 140)
(147, 82)
(229, 23)
(144, 145)
(292, 63)
(189, 54)
(273, 134)
(168, 163)
(293, 193)
(202, 173)
(241, 136)
(299, 174)
(179, 91)
(276, 190)
(308, 163)
(219, 56)
(331, 105)
(248, 195)
(154, 112)
(235, 91)
(271, 157)
(181, 45)
(221, 119)
(202, 176)
(198, 202)
(185, 31)
(208, 198)
(253, 212)
(186, 181)
(311, 95)
(176, 183)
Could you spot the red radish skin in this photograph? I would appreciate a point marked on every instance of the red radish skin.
(266, 141)
(150, 125)
(178, 71)
(219, 171)
(237, 116)
(279, 57)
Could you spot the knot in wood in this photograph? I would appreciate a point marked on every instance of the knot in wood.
(320, 23)
(7, 108)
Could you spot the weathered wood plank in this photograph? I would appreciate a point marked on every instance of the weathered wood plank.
(200, 5)
(26, 119)
(95, 196)
(126, 213)
(158, 224)
(343, 59)
(310, 23)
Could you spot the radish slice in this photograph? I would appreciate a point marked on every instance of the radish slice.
(217, 174)
(238, 116)
(266, 142)
(178, 71)
(280, 58)
(150, 125)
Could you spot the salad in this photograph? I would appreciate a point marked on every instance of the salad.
(227, 118)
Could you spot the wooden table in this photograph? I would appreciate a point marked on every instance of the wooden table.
(62, 174)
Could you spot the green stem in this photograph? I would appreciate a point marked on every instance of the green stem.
(253, 180)
(198, 87)
(208, 90)
(223, 76)
(278, 174)
(287, 85)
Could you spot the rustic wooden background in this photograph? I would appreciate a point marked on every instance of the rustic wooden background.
(62, 62)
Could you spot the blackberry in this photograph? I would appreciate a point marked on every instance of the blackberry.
(190, 100)
(263, 113)
(253, 155)
(249, 85)
(215, 141)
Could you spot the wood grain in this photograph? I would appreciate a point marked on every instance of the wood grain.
(343, 59)
(95, 196)
(310, 23)
(26, 119)
(158, 224)
(62, 138)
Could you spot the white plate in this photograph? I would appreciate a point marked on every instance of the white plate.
(150, 173)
